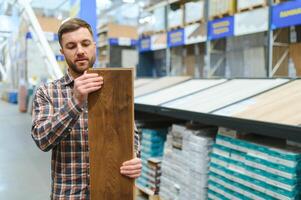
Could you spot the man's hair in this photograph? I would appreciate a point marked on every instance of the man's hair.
(71, 25)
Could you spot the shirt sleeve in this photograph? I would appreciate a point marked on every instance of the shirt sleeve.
(137, 142)
(49, 127)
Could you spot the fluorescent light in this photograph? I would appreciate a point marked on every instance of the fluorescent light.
(128, 1)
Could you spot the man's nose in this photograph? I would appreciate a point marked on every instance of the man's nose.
(80, 49)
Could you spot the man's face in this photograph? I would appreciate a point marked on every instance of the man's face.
(79, 50)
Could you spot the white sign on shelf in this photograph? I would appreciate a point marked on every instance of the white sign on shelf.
(124, 41)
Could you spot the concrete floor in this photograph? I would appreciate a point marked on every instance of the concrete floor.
(24, 169)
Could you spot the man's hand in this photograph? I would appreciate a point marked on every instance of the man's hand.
(86, 84)
(131, 168)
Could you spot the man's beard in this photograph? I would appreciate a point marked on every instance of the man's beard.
(76, 69)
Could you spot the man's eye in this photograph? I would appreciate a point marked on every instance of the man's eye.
(70, 46)
(85, 44)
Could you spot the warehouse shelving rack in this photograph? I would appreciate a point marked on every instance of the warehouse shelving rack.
(249, 126)
(28, 14)
(276, 46)
(147, 114)
(112, 40)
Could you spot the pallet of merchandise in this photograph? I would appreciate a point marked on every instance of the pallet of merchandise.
(175, 28)
(254, 168)
(200, 21)
(186, 165)
(231, 133)
(150, 176)
(146, 193)
(220, 9)
(194, 12)
(222, 15)
(246, 5)
(5, 96)
(147, 33)
(175, 19)
(152, 142)
(159, 32)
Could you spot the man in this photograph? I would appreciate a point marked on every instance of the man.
(60, 116)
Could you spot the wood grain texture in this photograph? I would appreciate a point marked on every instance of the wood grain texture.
(223, 95)
(177, 91)
(159, 84)
(280, 105)
(111, 140)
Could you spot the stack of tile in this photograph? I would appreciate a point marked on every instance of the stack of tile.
(152, 172)
(217, 8)
(194, 11)
(185, 163)
(152, 144)
(251, 168)
(197, 146)
(173, 165)
(245, 55)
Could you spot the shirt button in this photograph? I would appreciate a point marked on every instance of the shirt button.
(69, 129)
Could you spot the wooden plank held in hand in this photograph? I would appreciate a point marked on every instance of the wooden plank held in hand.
(111, 139)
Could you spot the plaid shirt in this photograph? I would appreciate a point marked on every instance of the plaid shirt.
(61, 125)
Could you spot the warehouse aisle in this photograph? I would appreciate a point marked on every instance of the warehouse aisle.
(24, 169)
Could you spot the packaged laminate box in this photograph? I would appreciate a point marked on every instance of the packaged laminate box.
(152, 143)
(219, 8)
(186, 165)
(194, 11)
(159, 19)
(255, 167)
(175, 18)
(245, 4)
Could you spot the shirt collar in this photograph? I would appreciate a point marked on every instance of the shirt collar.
(67, 79)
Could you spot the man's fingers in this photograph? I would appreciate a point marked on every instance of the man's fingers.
(130, 172)
(89, 85)
(132, 162)
(131, 167)
(134, 176)
(85, 76)
(89, 79)
(93, 89)
(84, 89)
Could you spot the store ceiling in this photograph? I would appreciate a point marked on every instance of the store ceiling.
(63, 5)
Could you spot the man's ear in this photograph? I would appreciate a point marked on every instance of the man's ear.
(62, 51)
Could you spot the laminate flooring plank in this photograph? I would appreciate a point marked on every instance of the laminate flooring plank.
(224, 94)
(279, 105)
(159, 84)
(142, 82)
(111, 128)
(177, 91)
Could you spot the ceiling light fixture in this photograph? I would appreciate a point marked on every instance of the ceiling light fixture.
(128, 1)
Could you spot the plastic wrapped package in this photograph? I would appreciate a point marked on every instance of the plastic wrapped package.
(159, 19)
(175, 18)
